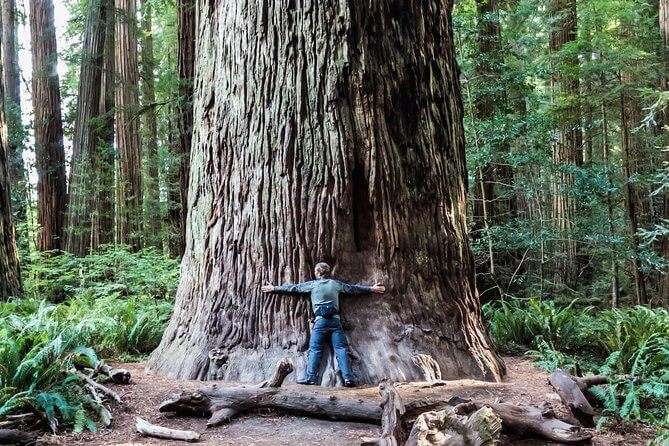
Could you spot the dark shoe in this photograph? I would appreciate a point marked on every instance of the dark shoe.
(306, 382)
(348, 383)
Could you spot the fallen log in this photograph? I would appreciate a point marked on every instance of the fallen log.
(17, 437)
(152, 430)
(575, 394)
(221, 404)
(96, 385)
(571, 394)
(538, 421)
(117, 376)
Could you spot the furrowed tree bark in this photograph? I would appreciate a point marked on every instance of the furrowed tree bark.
(103, 218)
(186, 67)
(339, 138)
(152, 218)
(49, 150)
(12, 104)
(129, 172)
(567, 147)
(10, 273)
(87, 126)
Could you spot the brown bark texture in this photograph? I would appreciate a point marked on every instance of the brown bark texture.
(12, 104)
(128, 141)
(10, 273)
(49, 150)
(152, 218)
(186, 67)
(327, 132)
(103, 162)
(567, 147)
(87, 126)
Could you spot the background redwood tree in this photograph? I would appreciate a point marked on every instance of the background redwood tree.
(49, 151)
(330, 133)
(10, 274)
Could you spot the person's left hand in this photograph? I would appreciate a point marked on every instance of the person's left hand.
(267, 288)
(378, 288)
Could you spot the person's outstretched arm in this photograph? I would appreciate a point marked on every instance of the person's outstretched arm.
(299, 288)
(362, 289)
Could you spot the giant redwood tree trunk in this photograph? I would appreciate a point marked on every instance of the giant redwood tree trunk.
(49, 151)
(12, 103)
(186, 71)
(326, 132)
(87, 126)
(128, 142)
(10, 276)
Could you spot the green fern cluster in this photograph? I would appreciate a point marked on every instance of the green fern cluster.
(614, 342)
(113, 304)
(113, 271)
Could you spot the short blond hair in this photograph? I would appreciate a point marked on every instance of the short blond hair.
(323, 268)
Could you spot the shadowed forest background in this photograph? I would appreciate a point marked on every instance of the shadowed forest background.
(565, 105)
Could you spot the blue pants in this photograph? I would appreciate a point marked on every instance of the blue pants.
(322, 330)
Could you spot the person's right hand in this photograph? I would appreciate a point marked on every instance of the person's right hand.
(267, 288)
(378, 288)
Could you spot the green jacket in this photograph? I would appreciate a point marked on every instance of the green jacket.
(323, 290)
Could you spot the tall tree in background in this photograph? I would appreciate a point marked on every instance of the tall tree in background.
(49, 151)
(186, 71)
(630, 117)
(493, 202)
(567, 150)
(83, 178)
(12, 105)
(664, 86)
(128, 141)
(10, 273)
(346, 145)
(103, 217)
(152, 216)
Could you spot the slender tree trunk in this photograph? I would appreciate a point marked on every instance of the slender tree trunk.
(664, 85)
(173, 183)
(12, 104)
(629, 145)
(567, 145)
(49, 151)
(103, 217)
(615, 297)
(186, 66)
(10, 273)
(330, 132)
(152, 216)
(87, 126)
(128, 143)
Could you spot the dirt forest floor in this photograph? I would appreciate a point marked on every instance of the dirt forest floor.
(524, 384)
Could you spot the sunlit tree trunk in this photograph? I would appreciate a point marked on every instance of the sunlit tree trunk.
(49, 151)
(12, 104)
(87, 127)
(568, 139)
(327, 132)
(152, 218)
(128, 142)
(10, 274)
(103, 217)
